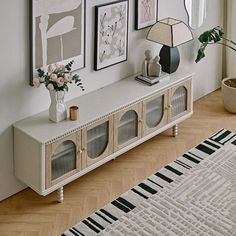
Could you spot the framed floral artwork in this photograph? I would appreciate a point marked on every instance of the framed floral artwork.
(146, 13)
(57, 34)
(111, 34)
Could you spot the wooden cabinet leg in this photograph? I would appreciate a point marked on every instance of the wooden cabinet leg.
(175, 130)
(60, 195)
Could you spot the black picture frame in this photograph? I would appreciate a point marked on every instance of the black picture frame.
(138, 18)
(79, 59)
(103, 42)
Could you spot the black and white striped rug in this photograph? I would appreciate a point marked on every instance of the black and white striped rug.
(167, 203)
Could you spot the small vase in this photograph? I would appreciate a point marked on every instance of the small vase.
(57, 109)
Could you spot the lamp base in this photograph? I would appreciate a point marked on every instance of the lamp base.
(169, 59)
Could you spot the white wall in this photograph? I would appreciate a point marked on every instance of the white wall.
(18, 100)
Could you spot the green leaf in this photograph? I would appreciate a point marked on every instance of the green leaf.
(66, 87)
(212, 36)
(69, 65)
(200, 55)
(41, 73)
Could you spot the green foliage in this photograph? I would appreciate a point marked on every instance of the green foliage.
(69, 65)
(212, 36)
(41, 73)
(77, 81)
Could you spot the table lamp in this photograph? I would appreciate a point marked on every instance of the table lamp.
(170, 33)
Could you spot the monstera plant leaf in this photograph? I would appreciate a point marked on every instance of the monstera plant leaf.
(212, 36)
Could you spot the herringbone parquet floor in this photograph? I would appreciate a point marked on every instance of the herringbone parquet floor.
(28, 214)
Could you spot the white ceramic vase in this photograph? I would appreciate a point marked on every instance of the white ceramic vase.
(57, 109)
(229, 95)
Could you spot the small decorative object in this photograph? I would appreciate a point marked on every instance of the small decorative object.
(151, 70)
(57, 33)
(147, 60)
(56, 80)
(228, 85)
(154, 68)
(111, 34)
(74, 113)
(170, 33)
(146, 13)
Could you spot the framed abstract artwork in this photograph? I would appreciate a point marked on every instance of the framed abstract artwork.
(146, 13)
(111, 34)
(57, 34)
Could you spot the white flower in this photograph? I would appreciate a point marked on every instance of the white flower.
(50, 87)
(56, 78)
(51, 68)
(36, 82)
(53, 77)
(67, 77)
(61, 68)
(60, 81)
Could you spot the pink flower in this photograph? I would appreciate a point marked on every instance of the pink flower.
(36, 82)
(60, 82)
(67, 77)
(53, 77)
(51, 68)
(50, 87)
(62, 68)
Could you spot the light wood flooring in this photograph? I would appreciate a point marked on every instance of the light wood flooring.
(28, 214)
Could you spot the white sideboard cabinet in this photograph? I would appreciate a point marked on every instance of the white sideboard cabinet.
(112, 120)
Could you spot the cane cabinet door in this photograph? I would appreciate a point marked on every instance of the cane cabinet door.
(180, 100)
(128, 126)
(154, 112)
(97, 142)
(63, 159)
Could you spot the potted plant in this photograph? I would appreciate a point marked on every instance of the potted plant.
(216, 36)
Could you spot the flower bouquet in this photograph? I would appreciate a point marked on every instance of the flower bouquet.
(56, 80)
(58, 77)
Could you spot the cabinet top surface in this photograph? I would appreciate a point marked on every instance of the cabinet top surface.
(95, 105)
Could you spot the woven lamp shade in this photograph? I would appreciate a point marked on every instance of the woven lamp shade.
(170, 32)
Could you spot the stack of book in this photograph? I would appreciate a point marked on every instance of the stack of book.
(152, 80)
